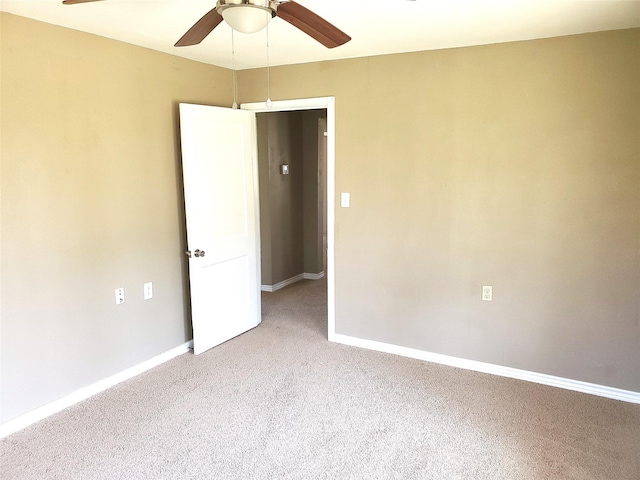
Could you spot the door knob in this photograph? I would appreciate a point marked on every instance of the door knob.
(199, 253)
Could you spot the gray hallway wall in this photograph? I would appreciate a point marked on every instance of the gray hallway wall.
(290, 211)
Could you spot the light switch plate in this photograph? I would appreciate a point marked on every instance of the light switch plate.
(345, 200)
(119, 296)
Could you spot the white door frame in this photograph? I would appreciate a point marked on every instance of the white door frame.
(327, 103)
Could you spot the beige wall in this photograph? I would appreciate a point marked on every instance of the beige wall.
(91, 201)
(514, 165)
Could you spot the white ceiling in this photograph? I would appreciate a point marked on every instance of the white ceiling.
(377, 26)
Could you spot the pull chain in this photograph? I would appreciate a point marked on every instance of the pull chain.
(269, 102)
(233, 62)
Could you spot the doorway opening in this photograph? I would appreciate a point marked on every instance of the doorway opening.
(291, 166)
(296, 151)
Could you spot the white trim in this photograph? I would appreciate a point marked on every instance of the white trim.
(289, 281)
(40, 413)
(282, 284)
(289, 105)
(313, 276)
(329, 103)
(544, 379)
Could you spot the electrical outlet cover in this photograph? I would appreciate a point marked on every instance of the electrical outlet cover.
(148, 290)
(487, 293)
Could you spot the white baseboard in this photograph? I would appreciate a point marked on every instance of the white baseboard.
(575, 385)
(313, 276)
(40, 413)
(289, 281)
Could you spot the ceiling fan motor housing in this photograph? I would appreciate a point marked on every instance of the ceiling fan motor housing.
(247, 16)
(264, 4)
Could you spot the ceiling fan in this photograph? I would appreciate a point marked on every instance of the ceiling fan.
(250, 16)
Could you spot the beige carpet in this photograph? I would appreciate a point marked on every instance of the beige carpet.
(280, 402)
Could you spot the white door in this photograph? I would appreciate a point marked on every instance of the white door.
(219, 164)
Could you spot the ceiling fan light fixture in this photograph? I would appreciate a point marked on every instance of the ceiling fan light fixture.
(246, 16)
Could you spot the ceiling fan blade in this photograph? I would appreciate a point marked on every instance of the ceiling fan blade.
(200, 29)
(312, 24)
(71, 2)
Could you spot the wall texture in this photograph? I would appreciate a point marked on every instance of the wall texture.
(91, 201)
(514, 165)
